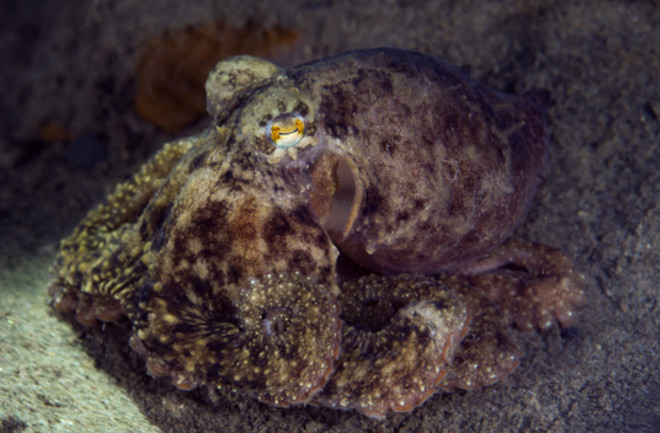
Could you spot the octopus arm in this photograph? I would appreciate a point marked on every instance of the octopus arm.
(93, 261)
(394, 365)
(534, 285)
(279, 346)
(129, 198)
(487, 354)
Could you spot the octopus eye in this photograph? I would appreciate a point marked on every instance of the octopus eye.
(286, 130)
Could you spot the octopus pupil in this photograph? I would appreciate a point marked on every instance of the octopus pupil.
(276, 321)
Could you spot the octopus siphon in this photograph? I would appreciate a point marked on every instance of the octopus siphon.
(339, 236)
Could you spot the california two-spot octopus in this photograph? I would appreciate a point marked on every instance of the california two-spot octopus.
(338, 237)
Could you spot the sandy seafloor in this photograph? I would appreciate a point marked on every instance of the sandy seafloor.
(72, 63)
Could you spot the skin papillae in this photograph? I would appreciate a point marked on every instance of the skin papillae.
(338, 236)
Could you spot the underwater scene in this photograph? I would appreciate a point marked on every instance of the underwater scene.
(323, 216)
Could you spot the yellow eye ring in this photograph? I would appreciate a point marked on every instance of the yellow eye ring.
(286, 130)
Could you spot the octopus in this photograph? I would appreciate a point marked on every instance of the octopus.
(339, 236)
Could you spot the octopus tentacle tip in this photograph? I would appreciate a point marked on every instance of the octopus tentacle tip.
(65, 301)
(184, 383)
(156, 368)
(538, 288)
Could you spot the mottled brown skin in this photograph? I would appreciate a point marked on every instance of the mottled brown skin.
(222, 251)
(447, 167)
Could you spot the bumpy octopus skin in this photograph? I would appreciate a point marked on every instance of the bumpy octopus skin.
(337, 237)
